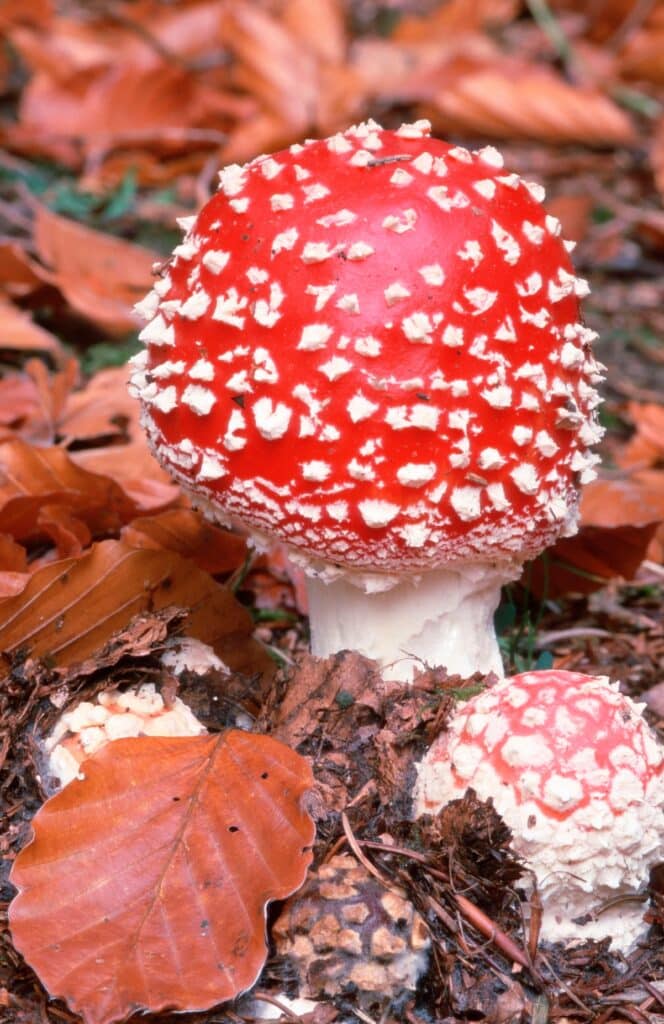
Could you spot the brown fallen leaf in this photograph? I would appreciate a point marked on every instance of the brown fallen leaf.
(20, 334)
(18, 276)
(213, 549)
(156, 107)
(646, 447)
(68, 609)
(100, 276)
(589, 560)
(272, 64)
(44, 494)
(514, 100)
(146, 883)
(637, 499)
(105, 419)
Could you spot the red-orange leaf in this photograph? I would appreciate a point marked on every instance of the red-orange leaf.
(146, 883)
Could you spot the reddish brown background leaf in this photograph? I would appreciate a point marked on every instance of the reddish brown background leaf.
(70, 608)
(185, 531)
(146, 883)
(100, 276)
(41, 489)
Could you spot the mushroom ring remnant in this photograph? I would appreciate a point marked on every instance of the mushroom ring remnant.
(578, 776)
(370, 347)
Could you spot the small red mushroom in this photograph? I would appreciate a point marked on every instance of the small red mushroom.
(578, 776)
(370, 347)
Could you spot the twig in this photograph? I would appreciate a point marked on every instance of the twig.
(490, 930)
(655, 993)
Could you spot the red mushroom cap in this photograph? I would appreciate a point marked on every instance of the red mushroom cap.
(578, 776)
(559, 740)
(370, 346)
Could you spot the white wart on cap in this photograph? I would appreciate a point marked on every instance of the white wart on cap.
(370, 346)
(577, 774)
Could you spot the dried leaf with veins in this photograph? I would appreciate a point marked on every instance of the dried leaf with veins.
(512, 100)
(70, 608)
(146, 883)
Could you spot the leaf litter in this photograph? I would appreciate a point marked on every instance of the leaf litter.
(88, 179)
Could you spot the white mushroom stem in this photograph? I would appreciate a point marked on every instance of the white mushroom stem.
(443, 618)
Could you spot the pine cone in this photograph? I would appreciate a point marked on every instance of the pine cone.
(345, 932)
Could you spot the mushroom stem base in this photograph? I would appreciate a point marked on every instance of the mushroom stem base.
(443, 618)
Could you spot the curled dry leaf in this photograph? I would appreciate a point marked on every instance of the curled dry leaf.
(44, 494)
(146, 883)
(512, 100)
(68, 609)
(100, 276)
(186, 532)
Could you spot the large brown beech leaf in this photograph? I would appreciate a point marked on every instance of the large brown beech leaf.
(146, 883)
(70, 608)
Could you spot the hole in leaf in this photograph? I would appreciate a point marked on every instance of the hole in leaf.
(233, 828)
(265, 775)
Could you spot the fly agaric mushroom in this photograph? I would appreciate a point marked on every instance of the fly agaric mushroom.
(369, 347)
(578, 776)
